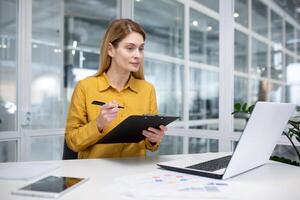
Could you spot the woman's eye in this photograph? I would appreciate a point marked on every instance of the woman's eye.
(141, 49)
(130, 48)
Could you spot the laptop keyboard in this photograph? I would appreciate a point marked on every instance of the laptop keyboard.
(212, 165)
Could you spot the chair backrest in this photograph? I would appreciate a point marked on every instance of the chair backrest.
(68, 153)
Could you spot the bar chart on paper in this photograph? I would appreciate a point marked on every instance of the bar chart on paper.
(162, 183)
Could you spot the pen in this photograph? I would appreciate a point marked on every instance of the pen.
(100, 103)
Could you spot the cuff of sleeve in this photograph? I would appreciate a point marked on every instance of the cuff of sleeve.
(151, 146)
(94, 134)
(94, 126)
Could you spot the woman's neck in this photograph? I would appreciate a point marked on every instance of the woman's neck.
(117, 78)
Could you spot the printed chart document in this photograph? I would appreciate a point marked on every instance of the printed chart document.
(163, 184)
(25, 171)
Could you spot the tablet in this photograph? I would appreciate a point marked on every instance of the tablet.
(131, 129)
(50, 186)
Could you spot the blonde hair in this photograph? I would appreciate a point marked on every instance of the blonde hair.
(116, 31)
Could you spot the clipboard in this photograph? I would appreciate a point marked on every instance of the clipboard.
(130, 130)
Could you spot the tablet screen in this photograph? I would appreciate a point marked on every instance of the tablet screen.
(50, 185)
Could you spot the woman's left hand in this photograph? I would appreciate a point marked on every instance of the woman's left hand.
(155, 135)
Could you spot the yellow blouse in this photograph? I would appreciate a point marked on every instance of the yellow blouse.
(138, 97)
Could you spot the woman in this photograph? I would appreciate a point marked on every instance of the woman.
(119, 82)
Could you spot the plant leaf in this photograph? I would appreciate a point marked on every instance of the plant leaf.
(294, 122)
(237, 107)
(296, 126)
(285, 160)
(250, 109)
(297, 138)
(244, 108)
(297, 133)
(294, 131)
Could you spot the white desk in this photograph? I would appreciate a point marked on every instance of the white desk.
(271, 181)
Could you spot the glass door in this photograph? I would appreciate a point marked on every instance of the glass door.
(8, 80)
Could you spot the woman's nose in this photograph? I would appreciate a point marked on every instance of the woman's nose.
(137, 53)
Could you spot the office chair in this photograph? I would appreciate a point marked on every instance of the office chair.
(68, 154)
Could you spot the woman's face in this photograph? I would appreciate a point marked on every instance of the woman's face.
(129, 53)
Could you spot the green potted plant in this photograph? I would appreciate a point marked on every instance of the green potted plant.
(242, 110)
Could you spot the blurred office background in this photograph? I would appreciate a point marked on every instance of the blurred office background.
(202, 56)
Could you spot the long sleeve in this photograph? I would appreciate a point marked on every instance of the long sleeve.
(79, 133)
(153, 110)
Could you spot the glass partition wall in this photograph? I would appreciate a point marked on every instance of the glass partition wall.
(8, 81)
(182, 59)
(268, 44)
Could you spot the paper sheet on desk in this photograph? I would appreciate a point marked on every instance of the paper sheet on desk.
(170, 185)
(24, 171)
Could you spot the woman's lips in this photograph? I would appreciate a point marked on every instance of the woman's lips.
(135, 64)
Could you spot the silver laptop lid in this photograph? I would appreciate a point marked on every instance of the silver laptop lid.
(260, 136)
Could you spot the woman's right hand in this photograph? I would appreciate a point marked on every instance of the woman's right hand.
(108, 112)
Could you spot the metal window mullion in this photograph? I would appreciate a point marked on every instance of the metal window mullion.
(241, 74)
(241, 28)
(283, 59)
(195, 133)
(279, 82)
(127, 9)
(260, 38)
(118, 9)
(46, 132)
(204, 10)
(8, 135)
(295, 38)
(24, 71)
(226, 73)
(249, 49)
(269, 49)
(165, 58)
(298, 43)
(61, 57)
(204, 66)
(186, 73)
(284, 52)
(284, 72)
(290, 53)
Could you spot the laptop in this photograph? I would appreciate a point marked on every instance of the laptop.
(257, 142)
